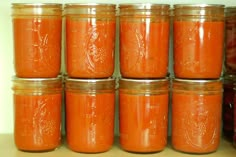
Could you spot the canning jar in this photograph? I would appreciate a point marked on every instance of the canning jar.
(37, 113)
(198, 41)
(90, 105)
(144, 40)
(228, 106)
(230, 42)
(143, 114)
(90, 40)
(37, 39)
(196, 115)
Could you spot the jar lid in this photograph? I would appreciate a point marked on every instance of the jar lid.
(143, 6)
(42, 9)
(177, 6)
(77, 5)
(90, 84)
(37, 85)
(144, 84)
(196, 81)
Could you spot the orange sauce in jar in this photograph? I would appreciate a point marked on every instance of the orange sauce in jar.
(196, 115)
(90, 106)
(90, 40)
(143, 114)
(144, 40)
(37, 39)
(37, 113)
(198, 41)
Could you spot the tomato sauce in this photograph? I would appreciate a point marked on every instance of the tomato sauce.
(144, 40)
(90, 42)
(37, 114)
(144, 49)
(37, 122)
(89, 115)
(196, 115)
(143, 115)
(198, 49)
(37, 43)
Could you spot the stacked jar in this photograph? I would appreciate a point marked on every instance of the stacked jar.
(89, 86)
(229, 113)
(197, 87)
(37, 85)
(144, 86)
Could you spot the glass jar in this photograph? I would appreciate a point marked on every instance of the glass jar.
(37, 39)
(196, 115)
(144, 40)
(37, 113)
(90, 105)
(198, 41)
(90, 40)
(228, 106)
(230, 45)
(143, 114)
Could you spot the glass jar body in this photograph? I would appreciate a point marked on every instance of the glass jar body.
(37, 39)
(143, 112)
(90, 106)
(196, 115)
(37, 114)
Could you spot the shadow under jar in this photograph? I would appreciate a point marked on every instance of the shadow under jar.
(144, 40)
(143, 114)
(37, 113)
(198, 41)
(196, 115)
(90, 40)
(90, 107)
(37, 39)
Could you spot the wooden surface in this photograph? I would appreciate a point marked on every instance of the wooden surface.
(8, 149)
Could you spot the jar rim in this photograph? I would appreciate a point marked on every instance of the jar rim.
(142, 5)
(15, 78)
(177, 6)
(89, 5)
(79, 80)
(196, 81)
(19, 5)
(144, 80)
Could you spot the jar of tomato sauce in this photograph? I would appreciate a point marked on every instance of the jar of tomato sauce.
(198, 41)
(37, 39)
(143, 113)
(37, 113)
(90, 105)
(144, 40)
(196, 115)
(230, 42)
(228, 106)
(90, 40)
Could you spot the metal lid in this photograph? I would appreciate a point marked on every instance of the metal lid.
(143, 6)
(144, 80)
(67, 79)
(196, 81)
(89, 5)
(198, 6)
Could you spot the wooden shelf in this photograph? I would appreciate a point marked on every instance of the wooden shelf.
(8, 149)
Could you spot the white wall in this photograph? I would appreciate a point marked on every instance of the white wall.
(6, 48)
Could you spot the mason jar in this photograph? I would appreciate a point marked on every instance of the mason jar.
(198, 40)
(90, 107)
(230, 41)
(37, 35)
(143, 114)
(196, 115)
(228, 106)
(90, 40)
(144, 40)
(37, 113)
